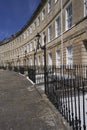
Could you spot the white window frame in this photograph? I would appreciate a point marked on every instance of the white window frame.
(69, 56)
(57, 26)
(50, 59)
(30, 29)
(24, 35)
(69, 16)
(85, 8)
(43, 14)
(49, 33)
(56, 1)
(35, 44)
(31, 46)
(34, 25)
(49, 6)
(38, 21)
(30, 61)
(58, 61)
(43, 35)
(27, 48)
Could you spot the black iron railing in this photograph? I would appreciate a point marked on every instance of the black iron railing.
(32, 73)
(67, 90)
(36, 74)
(16, 69)
(21, 69)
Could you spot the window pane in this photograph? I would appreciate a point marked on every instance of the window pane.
(58, 58)
(49, 5)
(50, 59)
(43, 36)
(85, 7)
(43, 14)
(69, 16)
(57, 26)
(69, 56)
(49, 33)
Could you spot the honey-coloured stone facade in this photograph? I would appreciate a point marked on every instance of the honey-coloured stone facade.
(18, 50)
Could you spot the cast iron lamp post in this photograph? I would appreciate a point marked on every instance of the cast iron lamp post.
(25, 57)
(35, 51)
(34, 70)
(44, 49)
(18, 64)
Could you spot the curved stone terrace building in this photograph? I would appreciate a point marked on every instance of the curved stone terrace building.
(63, 22)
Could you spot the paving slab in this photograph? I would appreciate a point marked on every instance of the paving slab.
(23, 106)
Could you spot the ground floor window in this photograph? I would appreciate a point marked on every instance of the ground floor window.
(31, 61)
(85, 7)
(58, 58)
(69, 55)
(50, 59)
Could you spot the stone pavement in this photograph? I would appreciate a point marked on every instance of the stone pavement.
(25, 107)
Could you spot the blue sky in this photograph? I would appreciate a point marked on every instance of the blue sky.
(14, 14)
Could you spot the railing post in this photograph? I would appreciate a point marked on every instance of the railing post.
(83, 89)
(78, 87)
